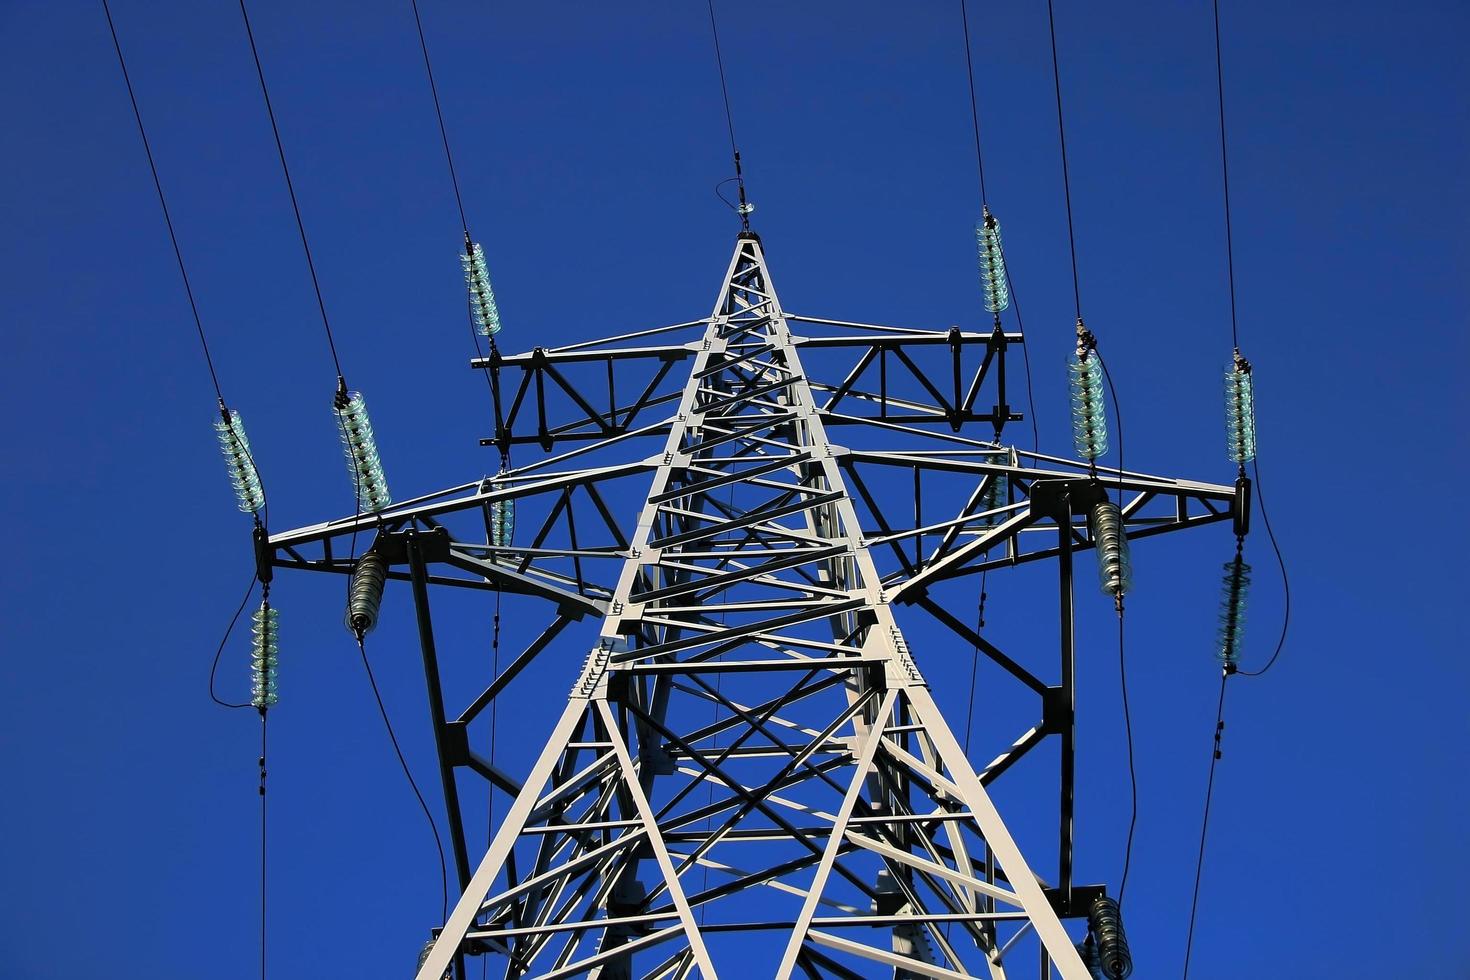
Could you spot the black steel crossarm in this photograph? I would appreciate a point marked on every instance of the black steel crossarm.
(896, 333)
(499, 682)
(514, 485)
(997, 767)
(966, 544)
(533, 582)
(966, 633)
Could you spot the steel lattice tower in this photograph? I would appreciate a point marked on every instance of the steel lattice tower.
(751, 776)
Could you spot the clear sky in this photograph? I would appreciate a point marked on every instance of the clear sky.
(589, 137)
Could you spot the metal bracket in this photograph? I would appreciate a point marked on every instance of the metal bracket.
(1047, 497)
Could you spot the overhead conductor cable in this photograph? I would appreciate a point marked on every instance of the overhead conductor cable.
(363, 462)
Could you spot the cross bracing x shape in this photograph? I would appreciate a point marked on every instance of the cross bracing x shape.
(750, 747)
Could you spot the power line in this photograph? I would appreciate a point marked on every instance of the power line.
(1132, 773)
(1225, 174)
(263, 714)
(454, 181)
(413, 784)
(1025, 357)
(1122, 654)
(220, 398)
(744, 209)
(974, 107)
(439, 112)
(214, 667)
(1285, 580)
(291, 190)
(1056, 75)
(163, 203)
(984, 198)
(1235, 341)
(1205, 824)
(724, 89)
(975, 660)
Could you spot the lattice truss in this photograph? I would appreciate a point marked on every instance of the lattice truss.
(751, 777)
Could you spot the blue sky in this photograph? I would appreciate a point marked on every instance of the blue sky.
(589, 138)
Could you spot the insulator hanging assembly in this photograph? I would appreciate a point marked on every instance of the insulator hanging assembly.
(264, 647)
(1105, 923)
(361, 448)
(365, 594)
(1233, 596)
(502, 522)
(997, 491)
(1114, 565)
(1089, 418)
(1087, 951)
(236, 448)
(1240, 411)
(992, 263)
(482, 297)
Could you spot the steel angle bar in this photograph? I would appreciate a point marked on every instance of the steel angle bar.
(760, 515)
(813, 611)
(902, 333)
(1048, 927)
(742, 476)
(768, 878)
(934, 570)
(580, 967)
(755, 799)
(498, 683)
(715, 583)
(579, 353)
(886, 957)
(573, 785)
(916, 410)
(864, 760)
(732, 433)
(527, 583)
(655, 840)
(468, 907)
(720, 407)
(993, 770)
(966, 633)
(568, 868)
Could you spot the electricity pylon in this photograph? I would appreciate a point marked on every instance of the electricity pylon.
(751, 776)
